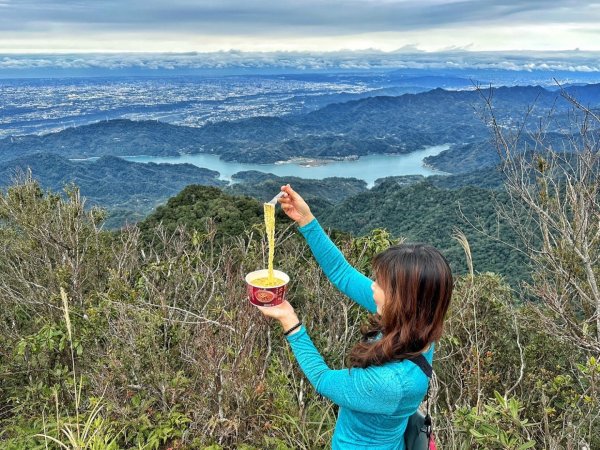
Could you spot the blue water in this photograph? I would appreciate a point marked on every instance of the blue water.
(367, 168)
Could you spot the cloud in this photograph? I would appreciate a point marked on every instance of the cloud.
(240, 17)
(296, 25)
(409, 58)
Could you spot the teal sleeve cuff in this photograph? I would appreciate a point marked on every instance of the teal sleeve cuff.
(297, 335)
(309, 226)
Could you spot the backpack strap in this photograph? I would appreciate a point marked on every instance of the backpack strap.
(424, 365)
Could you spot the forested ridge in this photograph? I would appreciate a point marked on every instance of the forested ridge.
(127, 190)
(422, 212)
(417, 211)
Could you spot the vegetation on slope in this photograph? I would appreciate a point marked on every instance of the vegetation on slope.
(422, 212)
(128, 190)
(143, 338)
(112, 343)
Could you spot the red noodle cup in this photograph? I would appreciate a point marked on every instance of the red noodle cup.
(266, 296)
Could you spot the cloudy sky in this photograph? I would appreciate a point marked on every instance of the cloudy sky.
(71, 26)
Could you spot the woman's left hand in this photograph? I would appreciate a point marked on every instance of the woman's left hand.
(284, 313)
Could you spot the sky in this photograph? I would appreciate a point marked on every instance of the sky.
(105, 26)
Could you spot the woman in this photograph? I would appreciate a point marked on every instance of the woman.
(409, 299)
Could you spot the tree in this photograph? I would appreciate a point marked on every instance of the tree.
(555, 210)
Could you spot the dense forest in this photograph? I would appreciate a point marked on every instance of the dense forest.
(127, 190)
(422, 212)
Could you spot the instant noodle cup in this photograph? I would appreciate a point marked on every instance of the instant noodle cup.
(266, 296)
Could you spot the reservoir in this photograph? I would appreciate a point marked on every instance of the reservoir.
(367, 168)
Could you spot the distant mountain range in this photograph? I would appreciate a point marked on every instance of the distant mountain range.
(375, 125)
(367, 126)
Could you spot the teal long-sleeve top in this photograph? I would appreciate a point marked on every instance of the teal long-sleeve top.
(374, 402)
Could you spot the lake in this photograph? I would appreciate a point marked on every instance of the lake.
(367, 168)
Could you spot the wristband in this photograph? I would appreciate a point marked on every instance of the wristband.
(298, 325)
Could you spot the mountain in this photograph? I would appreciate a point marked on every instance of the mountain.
(120, 137)
(321, 194)
(194, 206)
(375, 125)
(423, 212)
(128, 190)
(479, 155)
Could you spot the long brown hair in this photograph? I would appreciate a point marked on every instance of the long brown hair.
(417, 282)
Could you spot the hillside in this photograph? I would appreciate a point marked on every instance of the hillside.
(422, 212)
(129, 191)
(480, 155)
(417, 211)
(129, 340)
(194, 205)
(321, 194)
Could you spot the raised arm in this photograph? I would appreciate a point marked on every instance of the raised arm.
(339, 271)
(333, 263)
(374, 390)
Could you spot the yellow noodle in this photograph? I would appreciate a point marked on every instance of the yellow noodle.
(269, 210)
(267, 282)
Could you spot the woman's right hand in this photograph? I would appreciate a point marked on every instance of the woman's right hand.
(295, 207)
